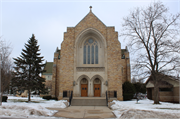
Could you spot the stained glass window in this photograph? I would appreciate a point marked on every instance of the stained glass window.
(90, 54)
(90, 41)
(96, 52)
(84, 54)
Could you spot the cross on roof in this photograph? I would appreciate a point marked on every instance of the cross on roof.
(90, 8)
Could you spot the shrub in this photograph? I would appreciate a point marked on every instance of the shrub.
(127, 96)
(54, 98)
(128, 90)
(4, 98)
(140, 87)
(47, 97)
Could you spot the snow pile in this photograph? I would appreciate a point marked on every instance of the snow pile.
(145, 109)
(60, 104)
(19, 99)
(23, 109)
(141, 114)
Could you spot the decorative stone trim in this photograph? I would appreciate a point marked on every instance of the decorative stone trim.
(87, 69)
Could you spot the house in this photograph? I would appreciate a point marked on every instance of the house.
(47, 74)
(168, 89)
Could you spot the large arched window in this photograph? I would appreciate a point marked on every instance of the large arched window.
(90, 55)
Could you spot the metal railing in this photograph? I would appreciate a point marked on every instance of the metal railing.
(112, 94)
(68, 94)
(70, 98)
(106, 98)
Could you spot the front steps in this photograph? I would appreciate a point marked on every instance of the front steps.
(88, 101)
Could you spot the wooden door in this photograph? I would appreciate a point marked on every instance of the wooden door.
(97, 90)
(84, 90)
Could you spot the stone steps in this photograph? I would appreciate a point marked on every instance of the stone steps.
(88, 102)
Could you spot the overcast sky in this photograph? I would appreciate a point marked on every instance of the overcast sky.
(49, 19)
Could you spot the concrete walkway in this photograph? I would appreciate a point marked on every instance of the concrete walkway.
(84, 112)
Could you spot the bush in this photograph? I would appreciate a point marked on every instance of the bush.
(128, 91)
(54, 98)
(47, 97)
(127, 96)
(140, 87)
(4, 98)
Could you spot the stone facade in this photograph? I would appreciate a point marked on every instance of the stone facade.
(68, 67)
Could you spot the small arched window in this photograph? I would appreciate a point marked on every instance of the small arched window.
(90, 55)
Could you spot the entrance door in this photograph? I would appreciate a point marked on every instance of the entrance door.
(84, 90)
(97, 90)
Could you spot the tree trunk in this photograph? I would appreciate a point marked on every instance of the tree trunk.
(29, 95)
(156, 93)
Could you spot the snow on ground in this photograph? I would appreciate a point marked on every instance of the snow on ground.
(145, 109)
(17, 107)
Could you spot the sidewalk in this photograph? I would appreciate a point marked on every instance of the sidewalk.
(85, 112)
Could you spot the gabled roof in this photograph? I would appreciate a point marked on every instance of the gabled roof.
(90, 14)
(166, 78)
(48, 68)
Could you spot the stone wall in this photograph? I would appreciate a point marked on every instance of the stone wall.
(126, 72)
(113, 62)
(66, 64)
(55, 90)
(90, 21)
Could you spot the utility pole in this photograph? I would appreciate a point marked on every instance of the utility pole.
(0, 80)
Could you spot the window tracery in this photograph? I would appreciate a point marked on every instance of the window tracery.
(90, 55)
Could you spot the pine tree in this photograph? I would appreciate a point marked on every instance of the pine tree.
(28, 68)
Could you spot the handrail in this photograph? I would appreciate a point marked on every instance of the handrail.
(70, 97)
(106, 98)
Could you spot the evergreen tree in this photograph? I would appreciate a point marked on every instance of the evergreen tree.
(128, 90)
(28, 68)
(140, 88)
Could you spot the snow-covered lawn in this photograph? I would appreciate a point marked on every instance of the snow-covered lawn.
(145, 109)
(18, 107)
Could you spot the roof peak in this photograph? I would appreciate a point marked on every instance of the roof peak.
(90, 14)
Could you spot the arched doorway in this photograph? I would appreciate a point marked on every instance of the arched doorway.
(84, 87)
(97, 87)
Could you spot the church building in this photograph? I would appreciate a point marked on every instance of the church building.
(90, 61)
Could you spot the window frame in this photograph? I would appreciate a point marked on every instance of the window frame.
(90, 56)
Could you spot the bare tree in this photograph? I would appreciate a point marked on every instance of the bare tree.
(5, 51)
(152, 33)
